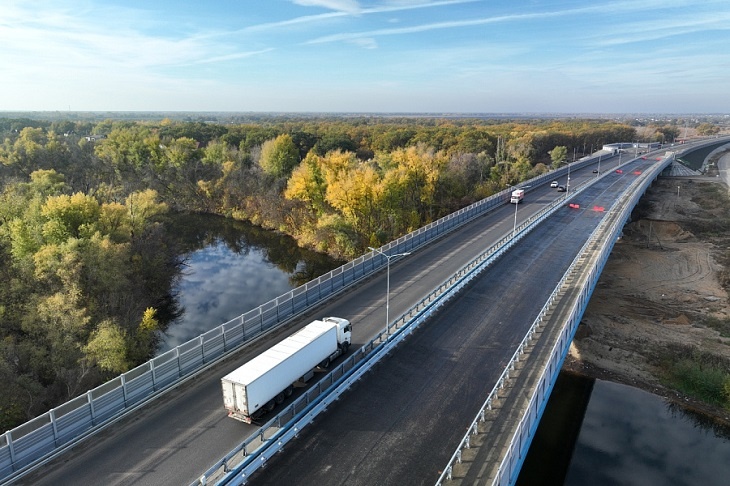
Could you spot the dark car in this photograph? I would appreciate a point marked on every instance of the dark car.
(561, 188)
(595, 171)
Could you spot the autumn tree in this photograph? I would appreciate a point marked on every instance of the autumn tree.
(558, 156)
(279, 156)
(706, 129)
(307, 183)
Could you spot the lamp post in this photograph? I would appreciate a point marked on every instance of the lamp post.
(387, 291)
(599, 165)
(514, 227)
(567, 185)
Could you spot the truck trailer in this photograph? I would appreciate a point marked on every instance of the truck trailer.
(517, 196)
(256, 387)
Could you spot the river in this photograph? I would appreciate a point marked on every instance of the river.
(231, 267)
(599, 432)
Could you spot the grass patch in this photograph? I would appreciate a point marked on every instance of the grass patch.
(720, 325)
(699, 375)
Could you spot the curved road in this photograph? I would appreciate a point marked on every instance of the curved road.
(402, 422)
(177, 437)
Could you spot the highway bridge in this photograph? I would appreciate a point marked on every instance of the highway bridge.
(402, 421)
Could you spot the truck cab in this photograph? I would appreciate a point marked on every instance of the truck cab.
(344, 330)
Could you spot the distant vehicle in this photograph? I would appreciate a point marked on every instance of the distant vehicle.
(554, 184)
(561, 188)
(595, 171)
(259, 385)
(619, 171)
(517, 196)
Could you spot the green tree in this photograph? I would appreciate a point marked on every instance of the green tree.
(107, 348)
(706, 129)
(279, 156)
(141, 207)
(145, 336)
(668, 132)
(69, 216)
(558, 156)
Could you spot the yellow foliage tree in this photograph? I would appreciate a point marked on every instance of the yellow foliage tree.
(107, 348)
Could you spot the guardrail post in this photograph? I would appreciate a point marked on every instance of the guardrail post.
(52, 414)
(9, 442)
(90, 400)
(123, 379)
(154, 372)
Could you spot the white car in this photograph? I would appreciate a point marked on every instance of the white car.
(554, 184)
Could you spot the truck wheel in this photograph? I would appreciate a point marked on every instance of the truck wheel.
(279, 398)
(325, 363)
(345, 347)
(270, 406)
(289, 390)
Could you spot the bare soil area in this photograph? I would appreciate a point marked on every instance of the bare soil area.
(660, 292)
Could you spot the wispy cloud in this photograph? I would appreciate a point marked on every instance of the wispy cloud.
(451, 24)
(650, 28)
(346, 6)
(689, 23)
(394, 6)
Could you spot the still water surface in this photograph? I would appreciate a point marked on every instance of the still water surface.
(603, 433)
(230, 268)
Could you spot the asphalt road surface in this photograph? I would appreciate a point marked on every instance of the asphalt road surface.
(402, 422)
(177, 437)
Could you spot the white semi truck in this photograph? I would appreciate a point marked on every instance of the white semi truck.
(517, 196)
(256, 387)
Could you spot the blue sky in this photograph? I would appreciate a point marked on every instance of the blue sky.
(564, 56)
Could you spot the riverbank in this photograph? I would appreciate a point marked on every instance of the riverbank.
(661, 304)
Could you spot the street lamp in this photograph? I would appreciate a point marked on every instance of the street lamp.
(387, 291)
(514, 228)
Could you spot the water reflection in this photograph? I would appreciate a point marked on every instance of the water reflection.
(628, 436)
(232, 267)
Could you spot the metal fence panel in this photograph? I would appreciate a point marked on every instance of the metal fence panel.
(139, 388)
(6, 462)
(166, 373)
(269, 315)
(30, 426)
(34, 445)
(299, 299)
(71, 405)
(191, 359)
(138, 371)
(213, 343)
(233, 333)
(74, 424)
(108, 404)
(284, 306)
(313, 293)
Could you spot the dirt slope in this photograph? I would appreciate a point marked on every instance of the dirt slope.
(659, 287)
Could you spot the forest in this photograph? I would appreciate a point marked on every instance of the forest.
(86, 259)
